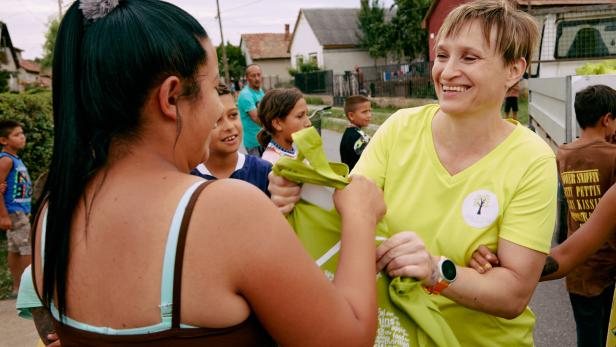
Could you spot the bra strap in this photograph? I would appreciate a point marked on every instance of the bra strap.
(179, 256)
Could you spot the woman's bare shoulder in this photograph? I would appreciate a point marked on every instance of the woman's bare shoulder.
(236, 204)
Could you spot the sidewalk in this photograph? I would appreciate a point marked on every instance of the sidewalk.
(15, 331)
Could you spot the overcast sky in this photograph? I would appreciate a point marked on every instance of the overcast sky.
(27, 19)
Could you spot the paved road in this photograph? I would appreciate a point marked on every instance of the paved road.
(15, 331)
(550, 303)
(555, 326)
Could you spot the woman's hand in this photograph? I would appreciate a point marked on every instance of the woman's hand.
(483, 260)
(54, 340)
(405, 254)
(361, 198)
(284, 193)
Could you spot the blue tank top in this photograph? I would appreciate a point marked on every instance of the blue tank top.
(18, 194)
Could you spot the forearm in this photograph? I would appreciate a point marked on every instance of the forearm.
(585, 241)
(254, 116)
(499, 292)
(355, 273)
(571, 253)
(3, 211)
(43, 322)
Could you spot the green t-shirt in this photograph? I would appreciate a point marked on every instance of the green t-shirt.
(27, 297)
(510, 193)
(247, 101)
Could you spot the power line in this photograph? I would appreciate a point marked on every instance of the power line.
(242, 6)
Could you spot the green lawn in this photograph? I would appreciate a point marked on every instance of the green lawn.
(379, 115)
(523, 111)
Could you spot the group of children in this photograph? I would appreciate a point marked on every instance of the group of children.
(281, 113)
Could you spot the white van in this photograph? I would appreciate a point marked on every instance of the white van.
(571, 37)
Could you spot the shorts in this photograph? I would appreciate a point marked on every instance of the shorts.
(18, 236)
(511, 103)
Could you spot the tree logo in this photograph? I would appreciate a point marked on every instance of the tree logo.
(480, 208)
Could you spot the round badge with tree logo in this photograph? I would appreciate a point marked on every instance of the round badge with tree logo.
(480, 208)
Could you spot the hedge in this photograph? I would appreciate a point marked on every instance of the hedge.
(34, 111)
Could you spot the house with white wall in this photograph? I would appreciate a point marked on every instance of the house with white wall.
(9, 58)
(269, 50)
(331, 37)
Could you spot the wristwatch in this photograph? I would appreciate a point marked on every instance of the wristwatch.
(446, 276)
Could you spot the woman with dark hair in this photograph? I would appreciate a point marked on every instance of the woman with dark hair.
(119, 256)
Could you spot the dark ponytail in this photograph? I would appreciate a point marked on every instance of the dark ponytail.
(264, 138)
(102, 74)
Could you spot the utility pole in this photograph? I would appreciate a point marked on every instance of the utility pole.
(222, 43)
(59, 10)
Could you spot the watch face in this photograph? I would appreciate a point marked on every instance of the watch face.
(449, 270)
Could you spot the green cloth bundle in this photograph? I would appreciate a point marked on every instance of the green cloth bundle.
(407, 315)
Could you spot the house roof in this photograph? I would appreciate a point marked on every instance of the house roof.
(4, 32)
(334, 27)
(30, 66)
(524, 3)
(267, 45)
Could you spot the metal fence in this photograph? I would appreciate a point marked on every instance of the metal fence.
(318, 82)
(397, 80)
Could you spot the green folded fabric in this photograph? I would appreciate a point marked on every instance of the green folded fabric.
(407, 315)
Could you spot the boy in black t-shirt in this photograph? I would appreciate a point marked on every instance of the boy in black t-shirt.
(358, 110)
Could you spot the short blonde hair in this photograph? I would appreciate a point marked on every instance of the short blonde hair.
(516, 31)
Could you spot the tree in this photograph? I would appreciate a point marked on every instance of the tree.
(50, 43)
(405, 36)
(372, 24)
(235, 60)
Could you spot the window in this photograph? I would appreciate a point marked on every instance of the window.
(299, 60)
(586, 38)
(313, 57)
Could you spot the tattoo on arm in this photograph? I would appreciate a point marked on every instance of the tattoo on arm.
(550, 267)
(43, 322)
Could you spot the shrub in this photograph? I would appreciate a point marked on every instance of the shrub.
(4, 81)
(313, 100)
(34, 111)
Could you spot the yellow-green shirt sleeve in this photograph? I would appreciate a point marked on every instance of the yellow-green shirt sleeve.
(530, 217)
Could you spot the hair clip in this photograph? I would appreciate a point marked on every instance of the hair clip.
(93, 10)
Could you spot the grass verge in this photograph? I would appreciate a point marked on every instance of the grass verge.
(6, 282)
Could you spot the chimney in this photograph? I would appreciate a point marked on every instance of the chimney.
(286, 31)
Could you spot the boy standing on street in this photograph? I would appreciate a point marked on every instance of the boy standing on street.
(511, 101)
(358, 110)
(587, 169)
(15, 207)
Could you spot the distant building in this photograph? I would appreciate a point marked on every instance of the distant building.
(269, 50)
(9, 59)
(331, 38)
(23, 72)
(29, 72)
